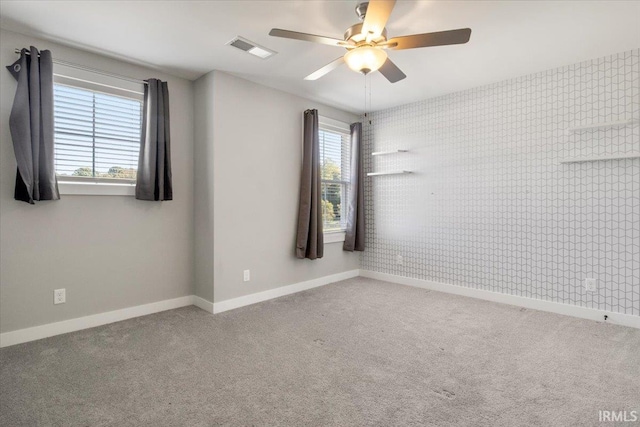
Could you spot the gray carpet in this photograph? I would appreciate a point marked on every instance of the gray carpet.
(358, 352)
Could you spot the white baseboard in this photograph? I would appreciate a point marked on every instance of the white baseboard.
(202, 303)
(230, 304)
(44, 331)
(534, 304)
(72, 325)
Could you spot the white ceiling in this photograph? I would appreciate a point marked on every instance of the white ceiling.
(187, 38)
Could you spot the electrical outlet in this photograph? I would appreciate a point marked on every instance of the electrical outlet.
(59, 296)
(590, 285)
(399, 259)
(247, 275)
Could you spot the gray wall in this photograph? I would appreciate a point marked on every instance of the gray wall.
(203, 209)
(491, 207)
(256, 136)
(108, 252)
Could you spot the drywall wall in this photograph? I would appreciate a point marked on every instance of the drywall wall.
(255, 133)
(108, 252)
(490, 206)
(203, 186)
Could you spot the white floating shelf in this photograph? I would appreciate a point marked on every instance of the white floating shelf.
(595, 126)
(382, 153)
(388, 173)
(596, 159)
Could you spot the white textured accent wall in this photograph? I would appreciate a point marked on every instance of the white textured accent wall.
(489, 205)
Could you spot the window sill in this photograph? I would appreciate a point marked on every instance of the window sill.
(96, 189)
(334, 237)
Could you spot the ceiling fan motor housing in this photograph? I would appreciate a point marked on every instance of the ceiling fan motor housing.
(354, 34)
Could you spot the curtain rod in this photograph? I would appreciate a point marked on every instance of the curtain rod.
(93, 70)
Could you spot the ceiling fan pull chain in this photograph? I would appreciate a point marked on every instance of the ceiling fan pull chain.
(369, 98)
(365, 96)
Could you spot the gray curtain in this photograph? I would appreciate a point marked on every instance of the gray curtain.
(31, 124)
(354, 239)
(309, 240)
(154, 165)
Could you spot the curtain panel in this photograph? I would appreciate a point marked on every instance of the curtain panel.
(31, 126)
(310, 240)
(354, 238)
(154, 181)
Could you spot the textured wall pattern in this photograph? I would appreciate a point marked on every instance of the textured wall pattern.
(489, 205)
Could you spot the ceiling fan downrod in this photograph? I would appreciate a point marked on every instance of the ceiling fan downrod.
(361, 10)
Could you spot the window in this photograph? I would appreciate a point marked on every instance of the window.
(97, 128)
(96, 135)
(335, 148)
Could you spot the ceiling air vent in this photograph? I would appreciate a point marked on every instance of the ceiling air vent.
(251, 47)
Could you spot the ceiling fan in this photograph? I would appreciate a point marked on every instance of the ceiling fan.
(366, 42)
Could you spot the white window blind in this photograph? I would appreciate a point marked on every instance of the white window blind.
(97, 135)
(335, 164)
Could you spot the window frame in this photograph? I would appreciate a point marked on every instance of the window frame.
(107, 84)
(331, 125)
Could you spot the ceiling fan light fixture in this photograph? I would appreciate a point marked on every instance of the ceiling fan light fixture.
(365, 59)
